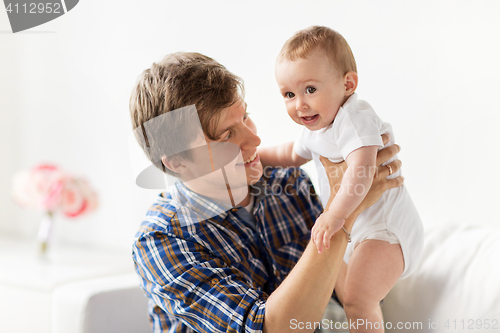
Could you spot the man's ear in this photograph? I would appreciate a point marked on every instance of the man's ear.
(350, 83)
(173, 164)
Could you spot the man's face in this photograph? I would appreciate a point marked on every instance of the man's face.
(237, 128)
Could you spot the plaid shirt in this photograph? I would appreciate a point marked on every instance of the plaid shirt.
(216, 275)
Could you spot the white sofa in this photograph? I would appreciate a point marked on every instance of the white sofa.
(103, 305)
(71, 289)
(458, 279)
(456, 287)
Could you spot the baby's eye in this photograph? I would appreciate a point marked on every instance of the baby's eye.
(289, 95)
(310, 90)
(246, 115)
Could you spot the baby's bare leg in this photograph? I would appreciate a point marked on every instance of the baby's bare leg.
(340, 284)
(373, 270)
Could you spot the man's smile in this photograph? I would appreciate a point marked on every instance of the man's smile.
(252, 160)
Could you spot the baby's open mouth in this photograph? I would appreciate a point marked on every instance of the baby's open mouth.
(309, 120)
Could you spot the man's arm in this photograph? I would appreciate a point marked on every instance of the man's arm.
(304, 294)
(280, 156)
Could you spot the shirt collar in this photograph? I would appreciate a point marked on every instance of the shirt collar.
(204, 207)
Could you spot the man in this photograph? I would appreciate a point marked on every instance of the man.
(248, 266)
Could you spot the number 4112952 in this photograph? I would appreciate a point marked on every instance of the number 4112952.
(472, 324)
(34, 8)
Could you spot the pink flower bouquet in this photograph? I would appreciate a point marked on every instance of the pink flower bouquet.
(49, 189)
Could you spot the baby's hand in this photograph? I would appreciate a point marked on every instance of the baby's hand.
(324, 228)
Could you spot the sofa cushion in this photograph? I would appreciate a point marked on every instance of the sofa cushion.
(456, 287)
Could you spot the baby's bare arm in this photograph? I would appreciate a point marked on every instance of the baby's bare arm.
(280, 156)
(355, 183)
(380, 184)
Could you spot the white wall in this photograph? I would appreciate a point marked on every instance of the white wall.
(429, 67)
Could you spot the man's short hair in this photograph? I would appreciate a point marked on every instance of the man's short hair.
(300, 45)
(182, 79)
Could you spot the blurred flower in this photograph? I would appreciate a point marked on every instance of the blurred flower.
(77, 198)
(49, 189)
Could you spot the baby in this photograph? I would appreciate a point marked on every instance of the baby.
(317, 77)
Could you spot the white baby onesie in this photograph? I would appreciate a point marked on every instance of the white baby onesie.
(357, 125)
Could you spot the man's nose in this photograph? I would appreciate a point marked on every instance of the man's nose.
(250, 138)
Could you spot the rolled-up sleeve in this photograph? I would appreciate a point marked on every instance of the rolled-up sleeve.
(194, 286)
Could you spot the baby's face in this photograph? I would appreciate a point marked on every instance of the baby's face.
(313, 90)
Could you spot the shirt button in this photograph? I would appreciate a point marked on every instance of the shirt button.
(234, 210)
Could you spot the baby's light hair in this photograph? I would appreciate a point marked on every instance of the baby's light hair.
(300, 45)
